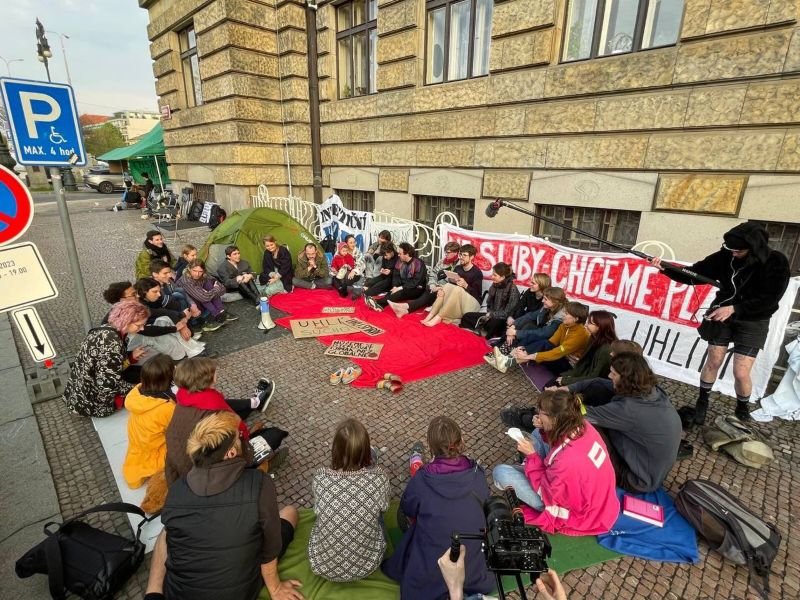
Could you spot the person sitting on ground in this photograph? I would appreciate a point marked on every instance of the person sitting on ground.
(501, 301)
(436, 281)
(196, 396)
(358, 256)
(150, 404)
(347, 541)
(382, 282)
(188, 254)
(341, 266)
(566, 482)
(276, 268)
(223, 531)
(170, 292)
(374, 255)
(444, 496)
(407, 280)
(237, 276)
(207, 292)
(593, 392)
(312, 269)
(641, 426)
(154, 248)
(596, 361)
(531, 299)
(561, 352)
(131, 199)
(536, 326)
(102, 375)
(462, 295)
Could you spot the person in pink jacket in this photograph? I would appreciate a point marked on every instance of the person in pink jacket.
(566, 481)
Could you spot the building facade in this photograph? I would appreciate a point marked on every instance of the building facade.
(637, 120)
(133, 124)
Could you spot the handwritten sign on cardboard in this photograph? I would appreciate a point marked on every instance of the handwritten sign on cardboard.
(335, 310)
(354, 349)
(362, 326)
(309, 328)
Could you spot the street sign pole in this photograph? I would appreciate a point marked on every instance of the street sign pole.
(72, 252)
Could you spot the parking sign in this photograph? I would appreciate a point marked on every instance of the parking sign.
(43, 120)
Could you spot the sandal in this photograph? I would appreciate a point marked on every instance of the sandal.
(393, 386)
(392, 377)
(351, 374)
(336, 376)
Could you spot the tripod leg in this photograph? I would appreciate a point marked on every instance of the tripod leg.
(521, 587)
(499, 578)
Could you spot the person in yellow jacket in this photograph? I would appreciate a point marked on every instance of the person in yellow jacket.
(562, 350)
(150, 404)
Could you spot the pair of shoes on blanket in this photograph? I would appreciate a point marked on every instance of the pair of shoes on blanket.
(390, 382)
(345, 375)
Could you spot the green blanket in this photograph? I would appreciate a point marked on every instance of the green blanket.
(569, 553)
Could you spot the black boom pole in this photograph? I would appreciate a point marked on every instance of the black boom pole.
(494, 207)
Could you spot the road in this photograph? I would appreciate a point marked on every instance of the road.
(41, 197)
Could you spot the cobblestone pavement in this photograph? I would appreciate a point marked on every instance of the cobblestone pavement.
(307, 406)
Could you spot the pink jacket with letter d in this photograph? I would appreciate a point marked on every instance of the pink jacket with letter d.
(577, 485)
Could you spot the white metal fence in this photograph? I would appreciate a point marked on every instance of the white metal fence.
(425, 239)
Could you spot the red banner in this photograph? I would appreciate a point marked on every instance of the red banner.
(619, 280)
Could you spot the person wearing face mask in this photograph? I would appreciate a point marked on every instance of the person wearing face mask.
(752, 278)
(104, 371)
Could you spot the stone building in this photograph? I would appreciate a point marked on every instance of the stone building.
(638, 120)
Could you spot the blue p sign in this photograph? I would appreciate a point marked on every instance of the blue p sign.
(44, 123)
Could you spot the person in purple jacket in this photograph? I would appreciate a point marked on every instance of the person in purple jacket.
(444, 496)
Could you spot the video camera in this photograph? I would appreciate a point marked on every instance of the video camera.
(510, 546)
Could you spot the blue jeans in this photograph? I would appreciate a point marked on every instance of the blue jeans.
(514, 475)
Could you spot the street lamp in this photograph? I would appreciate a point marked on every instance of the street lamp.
(8, 63)
(63, 36)
(42, 47)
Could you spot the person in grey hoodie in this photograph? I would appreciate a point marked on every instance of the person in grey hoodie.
(641, 427)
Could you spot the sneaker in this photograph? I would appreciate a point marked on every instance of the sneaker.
(229, 317)
(265, 395)
(489, 359)
(418, 448)
(212, 326)
(208, 354)
(262, 385)
(502, 362)
(372, 304)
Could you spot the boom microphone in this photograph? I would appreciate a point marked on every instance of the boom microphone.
(494, 208)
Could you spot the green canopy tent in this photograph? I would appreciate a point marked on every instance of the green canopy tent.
(246, 230)
(143, 156)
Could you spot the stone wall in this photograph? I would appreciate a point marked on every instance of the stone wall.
(253, 66)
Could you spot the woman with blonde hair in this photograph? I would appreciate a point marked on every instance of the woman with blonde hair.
(460, 295)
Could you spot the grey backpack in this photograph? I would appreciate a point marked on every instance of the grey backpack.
(730, 528)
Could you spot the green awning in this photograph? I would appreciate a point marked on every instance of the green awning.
(150, 144)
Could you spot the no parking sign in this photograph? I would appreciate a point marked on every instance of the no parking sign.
(16, 207)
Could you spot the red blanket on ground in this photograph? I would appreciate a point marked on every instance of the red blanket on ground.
(410, 349)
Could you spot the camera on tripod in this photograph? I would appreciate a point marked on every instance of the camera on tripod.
(510, 546)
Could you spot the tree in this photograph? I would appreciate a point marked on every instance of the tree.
(100, 140)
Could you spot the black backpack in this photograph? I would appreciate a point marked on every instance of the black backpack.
(218, 215)
(730, 528)
(195, 211)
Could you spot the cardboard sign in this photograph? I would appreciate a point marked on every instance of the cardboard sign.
(354, 349)
(309, 328)
(362, 326)
(337, 310)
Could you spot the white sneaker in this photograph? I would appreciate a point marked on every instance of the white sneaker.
(489, 360)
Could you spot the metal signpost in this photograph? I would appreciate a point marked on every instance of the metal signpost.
(43, 119)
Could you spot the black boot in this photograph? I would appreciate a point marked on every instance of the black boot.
(742, 411)
(700, 410)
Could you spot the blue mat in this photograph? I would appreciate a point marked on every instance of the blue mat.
(675, 542)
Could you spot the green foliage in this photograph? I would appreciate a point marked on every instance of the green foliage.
(100, 140)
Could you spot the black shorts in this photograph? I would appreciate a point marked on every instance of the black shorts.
(287, 535)
(748, 337)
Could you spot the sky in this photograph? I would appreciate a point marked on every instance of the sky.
(107, 51)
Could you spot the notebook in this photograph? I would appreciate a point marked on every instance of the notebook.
(643, 510)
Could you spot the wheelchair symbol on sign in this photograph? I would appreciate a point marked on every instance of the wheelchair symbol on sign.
(55, 137)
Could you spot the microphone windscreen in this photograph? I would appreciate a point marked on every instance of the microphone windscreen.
(492, 209)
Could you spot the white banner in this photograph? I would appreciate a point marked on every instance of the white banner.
(658, 313)
(338, 222)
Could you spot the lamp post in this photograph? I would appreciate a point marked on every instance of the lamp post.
(8, 63)
(63, 36)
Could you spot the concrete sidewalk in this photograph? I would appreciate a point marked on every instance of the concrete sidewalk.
(27, 494)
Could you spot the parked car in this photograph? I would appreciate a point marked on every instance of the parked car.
(104, 181)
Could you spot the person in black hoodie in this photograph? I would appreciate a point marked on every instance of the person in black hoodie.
(752, 279)
(502, 300)
(380, 284)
